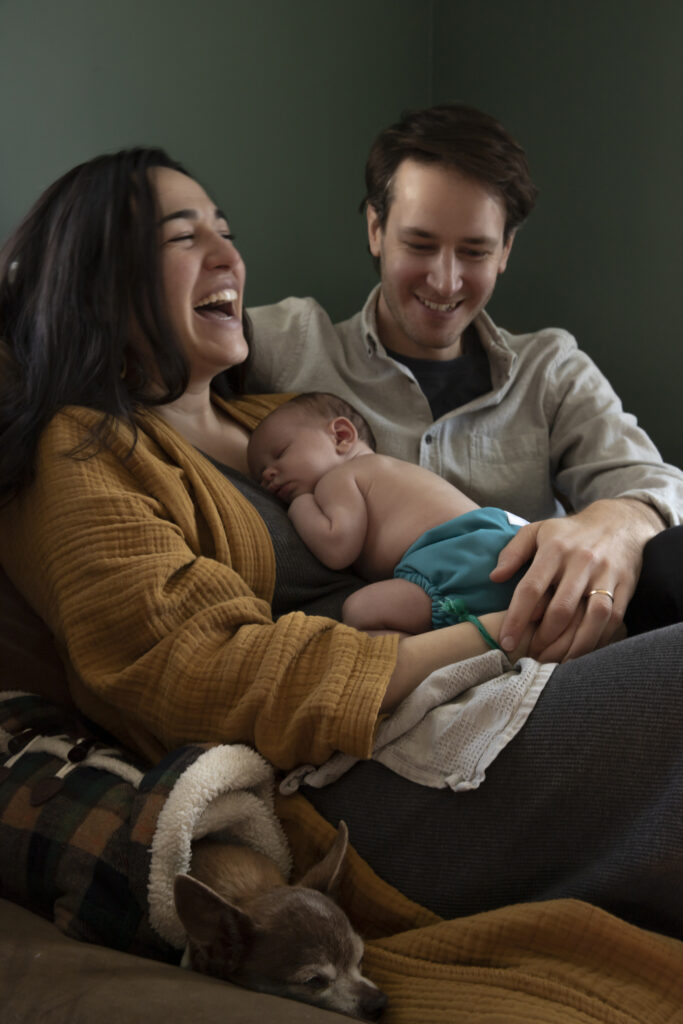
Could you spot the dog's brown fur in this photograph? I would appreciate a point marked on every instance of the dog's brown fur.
(245, 924)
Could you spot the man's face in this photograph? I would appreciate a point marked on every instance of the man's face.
(440, 253)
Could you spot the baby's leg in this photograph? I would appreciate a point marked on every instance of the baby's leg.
(394, 604)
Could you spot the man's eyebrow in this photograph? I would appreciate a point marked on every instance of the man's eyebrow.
(417, 231)
(474, 240)
(189, 215)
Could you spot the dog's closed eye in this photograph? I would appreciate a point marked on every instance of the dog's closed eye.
(316, 982)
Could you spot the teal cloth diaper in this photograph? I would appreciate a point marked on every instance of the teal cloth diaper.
(454, 560)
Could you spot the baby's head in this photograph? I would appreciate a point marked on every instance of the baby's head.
(302, 440)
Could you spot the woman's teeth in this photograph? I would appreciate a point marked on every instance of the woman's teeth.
(226, 295)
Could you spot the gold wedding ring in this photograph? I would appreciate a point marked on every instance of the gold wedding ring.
(607, 593)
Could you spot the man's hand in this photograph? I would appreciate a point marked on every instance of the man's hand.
(599, 549)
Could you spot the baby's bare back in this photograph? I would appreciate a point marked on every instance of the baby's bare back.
(403, 501)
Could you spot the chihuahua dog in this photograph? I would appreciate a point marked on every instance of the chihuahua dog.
(246, 925)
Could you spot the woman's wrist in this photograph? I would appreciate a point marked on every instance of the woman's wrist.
(420, 655)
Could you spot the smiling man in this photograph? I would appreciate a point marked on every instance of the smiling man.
(440, 249)
(523, 422)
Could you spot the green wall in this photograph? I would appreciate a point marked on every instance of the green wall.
(273, 105)
(594, 90)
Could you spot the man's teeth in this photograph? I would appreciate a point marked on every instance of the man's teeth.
(439, 307)
(227, 295)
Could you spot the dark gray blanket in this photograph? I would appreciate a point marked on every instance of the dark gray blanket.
(586, 801)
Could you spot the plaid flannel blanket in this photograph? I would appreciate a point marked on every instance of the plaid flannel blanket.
(93, 840)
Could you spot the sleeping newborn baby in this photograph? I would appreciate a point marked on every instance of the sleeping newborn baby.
(425, 548)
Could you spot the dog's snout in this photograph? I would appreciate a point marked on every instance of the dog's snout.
(373, 1004)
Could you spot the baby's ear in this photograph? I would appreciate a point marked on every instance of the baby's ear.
(345, 434)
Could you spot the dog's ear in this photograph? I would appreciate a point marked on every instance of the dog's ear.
(324, 876)
(220, 932)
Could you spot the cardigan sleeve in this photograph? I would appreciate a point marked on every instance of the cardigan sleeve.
(162, 612)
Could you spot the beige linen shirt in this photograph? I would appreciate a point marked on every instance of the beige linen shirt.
(551, 423)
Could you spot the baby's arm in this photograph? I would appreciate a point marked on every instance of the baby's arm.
(333, 520)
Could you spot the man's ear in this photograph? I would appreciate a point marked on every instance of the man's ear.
(506, 252)
(344, 433)
(374, 230)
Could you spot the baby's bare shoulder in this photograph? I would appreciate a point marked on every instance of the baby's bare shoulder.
(371, 465)
(388, 466)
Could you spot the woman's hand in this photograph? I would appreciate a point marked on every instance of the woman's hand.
(598, 549)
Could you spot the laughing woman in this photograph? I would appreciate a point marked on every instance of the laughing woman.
(186, 609)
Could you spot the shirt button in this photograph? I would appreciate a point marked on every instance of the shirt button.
(428, 438)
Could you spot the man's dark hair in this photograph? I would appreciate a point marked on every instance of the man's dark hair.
(461, 138)
(330, 406)
(82, 309)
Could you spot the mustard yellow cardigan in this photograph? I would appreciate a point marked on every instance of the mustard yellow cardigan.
(155, 576)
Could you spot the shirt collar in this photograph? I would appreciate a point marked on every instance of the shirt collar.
(368, 319)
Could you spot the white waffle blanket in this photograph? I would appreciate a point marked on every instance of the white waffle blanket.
(449, 730)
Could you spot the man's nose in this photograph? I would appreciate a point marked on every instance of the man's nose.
(445, 274)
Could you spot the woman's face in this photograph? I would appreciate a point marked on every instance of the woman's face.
(203, 276)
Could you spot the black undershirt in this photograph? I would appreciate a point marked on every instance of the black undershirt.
(448, 384)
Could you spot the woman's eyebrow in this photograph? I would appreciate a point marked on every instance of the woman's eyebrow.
(189, 215)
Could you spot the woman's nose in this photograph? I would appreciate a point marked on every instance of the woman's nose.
(223, 252)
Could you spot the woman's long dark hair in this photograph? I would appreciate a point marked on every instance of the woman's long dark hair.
(78, 275)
